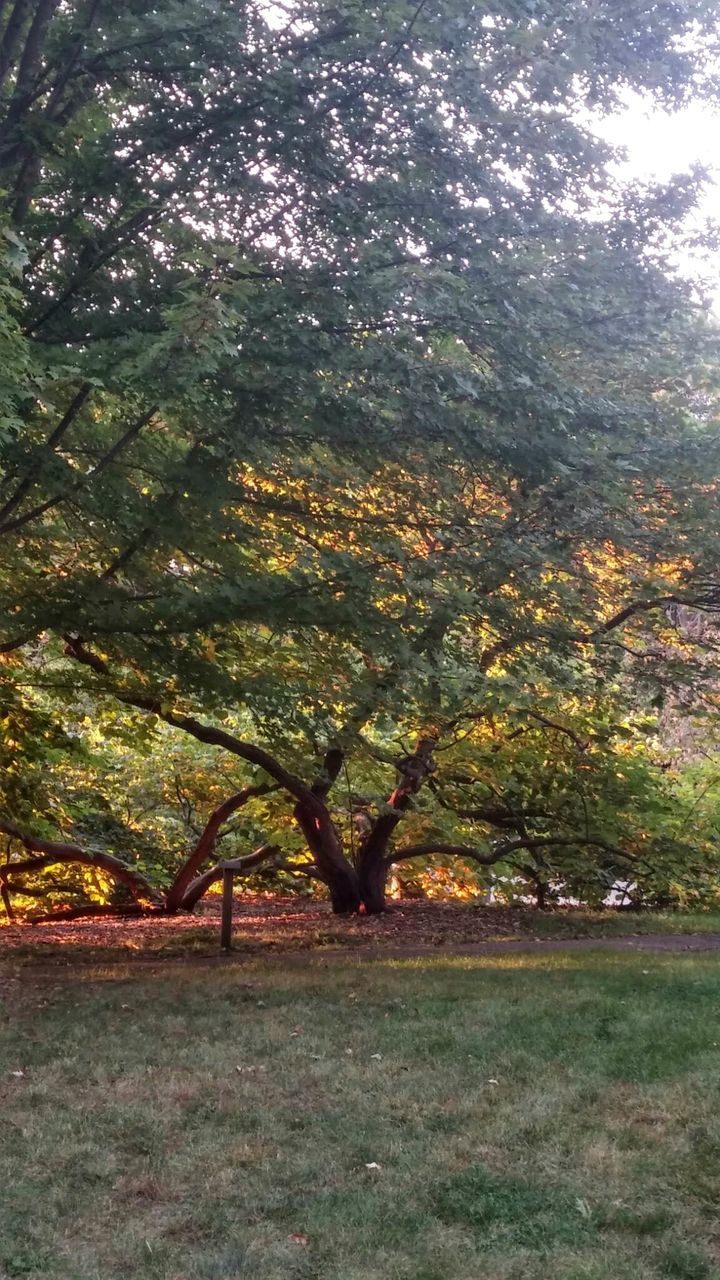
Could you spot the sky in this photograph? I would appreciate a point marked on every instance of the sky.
(659, 144)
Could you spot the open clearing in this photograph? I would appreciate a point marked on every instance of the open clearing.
(482, 1118)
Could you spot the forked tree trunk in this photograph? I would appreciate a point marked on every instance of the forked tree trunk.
(373, 863)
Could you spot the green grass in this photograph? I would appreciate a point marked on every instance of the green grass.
(532, 1117)
(611, 924)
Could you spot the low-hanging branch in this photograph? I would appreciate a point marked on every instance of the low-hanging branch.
(489, 857)
(64, 914)
(207, 840)
(200, 885)
(206, 733)
(435, 847)
(53, 852)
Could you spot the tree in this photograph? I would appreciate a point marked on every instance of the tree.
(348, 393)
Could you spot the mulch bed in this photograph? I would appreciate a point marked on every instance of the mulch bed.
(271, 922)
(299, 929)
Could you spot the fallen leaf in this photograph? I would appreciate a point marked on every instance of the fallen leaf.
(299, 1237)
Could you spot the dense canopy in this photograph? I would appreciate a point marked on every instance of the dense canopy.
(359, 450)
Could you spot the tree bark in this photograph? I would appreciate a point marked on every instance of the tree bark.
(6, 900)
(333, 867)
(372, 877)
(206, 843)
(372, 859)
(10, 43)
(52, 852)
(200, 885)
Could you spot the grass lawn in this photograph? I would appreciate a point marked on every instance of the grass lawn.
(610, 924)
(522, 1116)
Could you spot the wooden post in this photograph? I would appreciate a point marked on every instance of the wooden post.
(227, 910)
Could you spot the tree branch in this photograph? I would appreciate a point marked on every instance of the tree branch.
(501, 851)
(413, 769)
(560, 728)
(66, 421)
(125, 439)
(94, 909)
(214, 737)
(206, 841)
(498, 814)
(11, 37)
(200, 885)
(630, 611)
(436, 847)
(53, 852)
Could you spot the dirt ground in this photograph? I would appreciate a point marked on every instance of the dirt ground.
(291, 924)
(282, 922)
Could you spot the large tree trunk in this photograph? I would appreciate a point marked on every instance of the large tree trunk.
(373, 864)
(344, 893)
(333, 867)
(313, 817)
(372, 879)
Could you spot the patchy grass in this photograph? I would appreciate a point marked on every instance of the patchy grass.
(497, 1118)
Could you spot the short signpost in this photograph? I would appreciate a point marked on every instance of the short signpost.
(226, 920)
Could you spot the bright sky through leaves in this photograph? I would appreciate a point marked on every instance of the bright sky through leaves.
(660, 144)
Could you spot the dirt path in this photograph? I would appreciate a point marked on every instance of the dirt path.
(36, 968)
(677, 942)
(625, 942)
